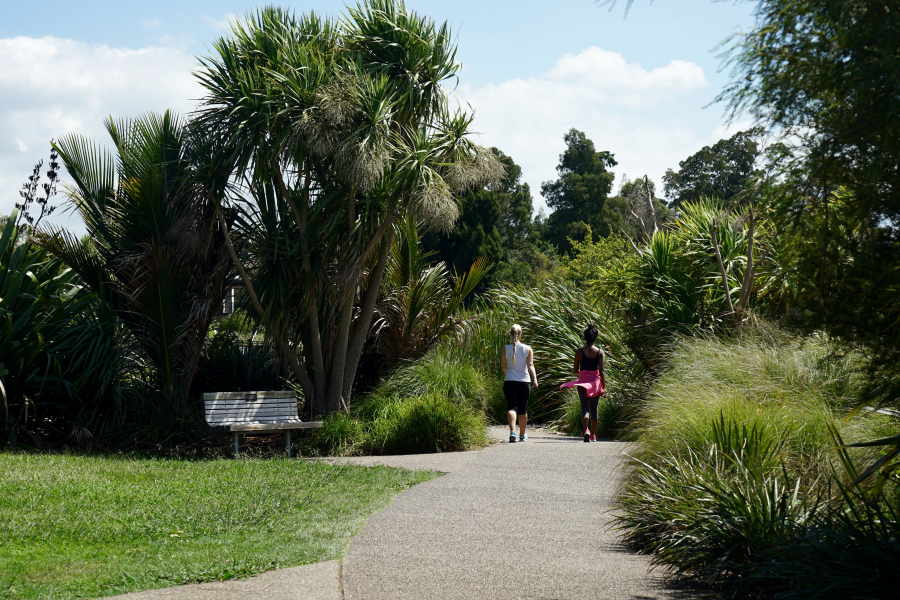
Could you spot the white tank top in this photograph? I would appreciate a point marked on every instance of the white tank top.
(517, 363)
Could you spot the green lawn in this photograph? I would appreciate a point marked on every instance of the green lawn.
(83, 527)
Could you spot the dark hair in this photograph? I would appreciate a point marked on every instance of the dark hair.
(590, 334)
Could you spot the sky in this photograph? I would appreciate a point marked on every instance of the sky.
(640, 87)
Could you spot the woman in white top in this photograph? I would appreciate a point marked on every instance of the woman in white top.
(517, 360)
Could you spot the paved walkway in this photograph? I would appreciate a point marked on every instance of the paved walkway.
(515, 521)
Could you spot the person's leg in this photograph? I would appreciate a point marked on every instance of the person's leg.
(509, 390)
(523, 408)
(594, 402)
(511, 415)
(585, 406)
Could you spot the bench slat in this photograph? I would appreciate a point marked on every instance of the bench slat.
(254, 419)
(285, 410)
(276, 402)
(267, 426)
(244, 395)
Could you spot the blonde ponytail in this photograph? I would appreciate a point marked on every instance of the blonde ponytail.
(515, 332)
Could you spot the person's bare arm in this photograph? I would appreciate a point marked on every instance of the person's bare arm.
(531, 370)
(577, 361)
(503, 360)
(603, 369)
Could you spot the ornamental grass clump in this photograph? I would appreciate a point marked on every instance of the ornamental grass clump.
(434, 404)
(736, 479)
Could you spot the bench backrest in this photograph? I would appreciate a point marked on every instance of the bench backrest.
(227, 408)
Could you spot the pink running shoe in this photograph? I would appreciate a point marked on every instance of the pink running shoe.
(587, 435)
(593, 438)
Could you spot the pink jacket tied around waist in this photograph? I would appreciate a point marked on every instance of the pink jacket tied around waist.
(589, 380)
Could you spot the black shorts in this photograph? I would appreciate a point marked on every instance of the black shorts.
(517, 393)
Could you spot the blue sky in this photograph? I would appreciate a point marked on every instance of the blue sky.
(531, 70)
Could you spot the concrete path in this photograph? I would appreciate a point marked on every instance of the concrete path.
(514, 521)
(318, 581)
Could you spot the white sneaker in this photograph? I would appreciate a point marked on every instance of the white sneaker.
(523, 437)
(512, 437)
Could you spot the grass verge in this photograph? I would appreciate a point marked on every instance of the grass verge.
(86, 527)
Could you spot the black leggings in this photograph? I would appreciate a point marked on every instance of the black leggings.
(588, 403)
(517, 393)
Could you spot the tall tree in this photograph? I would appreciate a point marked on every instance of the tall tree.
(157, 254)
(578, 197)
(718, 171)
(336, 130)
(825, 73)
(493, 221)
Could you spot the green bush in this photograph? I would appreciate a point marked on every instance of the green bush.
(440, 373)
(435, 404)
(791, 388)
(426, 424)
(340, 435)
(735, 480)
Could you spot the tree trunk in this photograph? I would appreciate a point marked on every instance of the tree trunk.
(747, 285)
(715, 242)
(651, 227)
(367, 311)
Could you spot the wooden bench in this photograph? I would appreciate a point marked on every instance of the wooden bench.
(240, 412)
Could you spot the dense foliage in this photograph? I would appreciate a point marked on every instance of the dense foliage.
(720, 171)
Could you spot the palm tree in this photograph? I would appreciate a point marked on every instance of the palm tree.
(420, 302)
(157, 253)
(336, 130)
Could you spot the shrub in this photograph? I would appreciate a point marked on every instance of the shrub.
(340, 435)
(440, 373)
(846, 553)
(435, 404)
(734, 481)
(716, 515)
(790, 388)
(424, 424)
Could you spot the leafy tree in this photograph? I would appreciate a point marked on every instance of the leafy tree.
(720, 171)
(492, 221)
(516, 206)
(157, 255)
(475, 233)
(336, 131)
(824, 73)
(591, 258)
(578, 198)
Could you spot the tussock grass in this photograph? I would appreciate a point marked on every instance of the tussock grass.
(553, 319)
(790, 388)
(435, 404)
(737, 482)
(91, 526)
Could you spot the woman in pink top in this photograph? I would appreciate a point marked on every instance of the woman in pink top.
(590, 363)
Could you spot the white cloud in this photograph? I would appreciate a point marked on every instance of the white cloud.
(51, 86)
(149, 23)
(645, 117)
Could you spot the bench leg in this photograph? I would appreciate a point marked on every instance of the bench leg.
(237, 448)
(287, 442)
